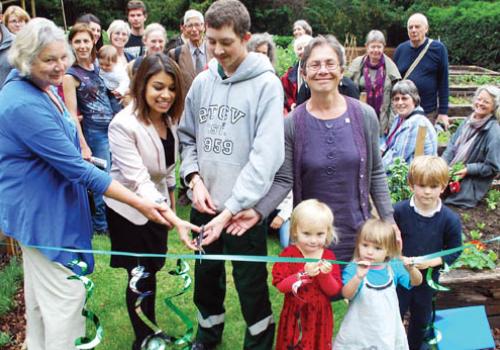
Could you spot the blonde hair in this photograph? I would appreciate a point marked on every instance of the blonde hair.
(15, 11)
(378, 232)
(116, 26)
(428, 171)
(312, 210)
(108, 52)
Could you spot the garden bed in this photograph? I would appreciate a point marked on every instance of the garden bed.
(470, 287)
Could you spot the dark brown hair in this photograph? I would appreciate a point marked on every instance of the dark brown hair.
(136, 5)
(151, 65)
(83, 28)
(228, 13)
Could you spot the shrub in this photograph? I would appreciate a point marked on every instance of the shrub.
(470, 30)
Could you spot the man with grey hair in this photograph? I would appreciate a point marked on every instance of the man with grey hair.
(6, 40)
(193, 56)
(425, 62)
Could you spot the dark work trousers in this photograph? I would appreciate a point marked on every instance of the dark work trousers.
(141, 330)
(251, 284)
(419, 301)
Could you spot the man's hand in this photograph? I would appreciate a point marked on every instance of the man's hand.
(214, 228)
(202, 200)
(243, 221)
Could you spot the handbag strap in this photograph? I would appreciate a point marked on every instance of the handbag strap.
(418, 59)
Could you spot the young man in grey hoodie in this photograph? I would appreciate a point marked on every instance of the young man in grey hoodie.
(232, 144)
(6, 39)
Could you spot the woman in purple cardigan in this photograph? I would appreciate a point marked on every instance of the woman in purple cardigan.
(331, 145)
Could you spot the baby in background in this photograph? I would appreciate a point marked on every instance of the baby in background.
(117, 81)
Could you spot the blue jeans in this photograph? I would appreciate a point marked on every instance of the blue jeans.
(97, 139)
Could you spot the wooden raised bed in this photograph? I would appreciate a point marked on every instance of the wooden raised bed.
(471, 70)
(472, 288)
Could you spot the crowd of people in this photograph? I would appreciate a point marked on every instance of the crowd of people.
(97, 130)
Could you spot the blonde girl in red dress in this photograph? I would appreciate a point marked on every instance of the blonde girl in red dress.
(306, 320)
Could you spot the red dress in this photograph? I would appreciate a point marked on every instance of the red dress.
(312, 304)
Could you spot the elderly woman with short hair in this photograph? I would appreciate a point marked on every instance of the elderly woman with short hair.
(375, 73)
(293, 80)
(402, 137)
(43, 187)
(301, 27)
(263, 43)
(154, 38)
(476, 144)
(119, 33)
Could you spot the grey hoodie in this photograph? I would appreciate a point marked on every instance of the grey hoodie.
(232, 132)
(5, 43)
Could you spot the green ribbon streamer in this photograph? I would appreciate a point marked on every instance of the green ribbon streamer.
(159, 340)
(182, 270)
(86, 342)
(246, 258)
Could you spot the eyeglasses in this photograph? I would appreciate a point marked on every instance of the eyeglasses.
(194, 25)
(403, 98)
(316, 66)
(16, 21)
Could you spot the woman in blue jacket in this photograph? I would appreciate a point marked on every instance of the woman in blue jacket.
(43, 186)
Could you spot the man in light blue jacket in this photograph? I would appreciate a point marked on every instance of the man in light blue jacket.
(232, 144)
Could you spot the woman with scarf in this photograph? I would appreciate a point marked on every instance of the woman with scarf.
(402, 137)
(375, 74)
(476, 144)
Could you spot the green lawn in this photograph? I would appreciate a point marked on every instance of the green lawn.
(108, 301)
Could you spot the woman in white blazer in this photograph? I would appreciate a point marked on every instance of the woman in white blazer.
(143, 142)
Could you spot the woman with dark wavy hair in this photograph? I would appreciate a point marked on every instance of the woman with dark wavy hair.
(144, 145)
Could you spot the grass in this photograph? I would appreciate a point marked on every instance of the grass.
(10, 278)
(108, 301)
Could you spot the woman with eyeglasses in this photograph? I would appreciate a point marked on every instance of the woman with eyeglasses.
(15, 18)
(332, 153)
(401, 139)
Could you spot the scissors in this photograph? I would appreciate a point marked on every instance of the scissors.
(199, 240)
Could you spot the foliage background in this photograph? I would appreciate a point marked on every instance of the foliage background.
(470, 29)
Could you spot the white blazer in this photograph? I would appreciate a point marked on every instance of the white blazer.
(138, 162)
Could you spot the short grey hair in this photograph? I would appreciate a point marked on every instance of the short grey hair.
(193, 14)
(154, 27)
(375, 36)
(306, 26)
(494, 92)
(31, 40)
(118, 25)
(329, 40)
(259, 39)
(406, 87)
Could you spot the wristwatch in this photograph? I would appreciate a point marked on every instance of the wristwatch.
(194, 180)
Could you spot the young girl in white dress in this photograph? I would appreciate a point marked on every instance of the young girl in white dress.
(373, 320)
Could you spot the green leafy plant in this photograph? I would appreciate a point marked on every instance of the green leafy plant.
(398, 180)
(454, 183)
(465, 217)
(5, 339)
(444, 137)
(493, 199)
(476, 256)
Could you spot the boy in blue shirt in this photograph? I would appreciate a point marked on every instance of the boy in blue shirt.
(427, 226)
